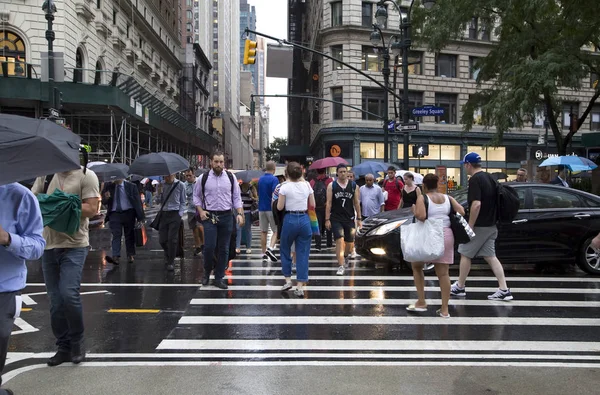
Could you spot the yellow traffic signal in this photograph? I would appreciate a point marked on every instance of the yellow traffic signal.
(250, 52)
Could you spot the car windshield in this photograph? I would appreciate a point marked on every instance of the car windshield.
(460, 196)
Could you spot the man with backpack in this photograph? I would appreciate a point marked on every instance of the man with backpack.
(319, 186)
(393, 186)
(216, 195)
(484, 211)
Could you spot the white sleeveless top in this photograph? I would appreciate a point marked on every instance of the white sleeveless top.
(440, 211)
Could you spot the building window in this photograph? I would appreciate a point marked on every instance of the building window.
(337, 94)
(595, 118)
(473, 28)
(98, 74)
(372, 150)
(367, 14)
(144, 12)
(415, 61)
(594, 80)
(336, 13)
(13, 52)
(567, 108)
(485, 32)
(415, 99)
(114, 17)
(188, 27)
(370, 60)
(189, 40)
(78, 72)
(473, 68)
(337, 52)
(189, 3)
(190, 15)
(373, 100)
(448, 103)
(127, 30)
(445, 65)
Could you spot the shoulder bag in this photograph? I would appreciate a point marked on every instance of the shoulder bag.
(460, 227)
(155, 224)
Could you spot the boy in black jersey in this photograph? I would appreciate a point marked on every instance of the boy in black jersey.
(341, 214)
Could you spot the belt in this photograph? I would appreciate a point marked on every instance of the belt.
(219, 212)
(296, 212)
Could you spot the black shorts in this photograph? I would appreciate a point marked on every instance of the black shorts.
(347, 230)
(193, 222)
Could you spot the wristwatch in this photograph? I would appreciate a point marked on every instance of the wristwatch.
(9, 241)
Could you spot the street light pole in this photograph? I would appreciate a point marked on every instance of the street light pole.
(406, 42)
(386, 104)
(50, 8)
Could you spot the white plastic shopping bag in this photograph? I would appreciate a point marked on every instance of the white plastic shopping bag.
(422, 241)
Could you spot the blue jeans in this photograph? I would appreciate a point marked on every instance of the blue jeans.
(62, 269)
(247, 231)
(148, 198)
(217, 238)
(296, 228)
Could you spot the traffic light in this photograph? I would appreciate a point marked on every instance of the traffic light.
(58, 99)
(250, 52)
(252, 108)
(420, 150)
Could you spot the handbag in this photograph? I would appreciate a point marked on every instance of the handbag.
(463, 233)
(422, 241)
(254, 211)
(141, 236)
(155, 224)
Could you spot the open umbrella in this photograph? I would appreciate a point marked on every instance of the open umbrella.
(370, 167)
(418, 178)
(574, 163)
(499, 176)
(158, 164)
(330, 161)
(31, 147)
(110, 171)
(199, 172)
(249, 175)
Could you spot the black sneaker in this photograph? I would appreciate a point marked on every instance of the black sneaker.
(271, 255)
(59, 358)
(265, 258)
(197, 251)
(501, 294)
(220, 284)
(170, 268)
(205, 280)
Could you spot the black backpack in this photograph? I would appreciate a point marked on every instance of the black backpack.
(508, 202)
(320, 191)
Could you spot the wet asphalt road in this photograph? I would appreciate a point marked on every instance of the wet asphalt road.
(139, 315)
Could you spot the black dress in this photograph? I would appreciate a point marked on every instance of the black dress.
(408, 199)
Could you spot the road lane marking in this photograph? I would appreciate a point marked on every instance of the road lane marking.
(375, 301)
(311, 269)
(26, 309)
(369, 320)
(414, 345)
(134, 311)
(23, 326)
(26, 298)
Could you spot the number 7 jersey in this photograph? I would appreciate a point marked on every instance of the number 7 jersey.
(342, 202)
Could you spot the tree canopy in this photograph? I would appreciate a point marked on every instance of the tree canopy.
(272, 151)
(543, 48)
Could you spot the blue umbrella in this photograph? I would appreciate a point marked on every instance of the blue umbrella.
(370, 167)
(574, 163)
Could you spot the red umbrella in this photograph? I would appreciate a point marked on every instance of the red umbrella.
(330, 161)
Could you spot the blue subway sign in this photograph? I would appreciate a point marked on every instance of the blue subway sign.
(427, 111)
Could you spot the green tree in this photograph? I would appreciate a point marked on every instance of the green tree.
(272, 151)
(545, 51)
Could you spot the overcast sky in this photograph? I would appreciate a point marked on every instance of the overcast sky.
(271, 19)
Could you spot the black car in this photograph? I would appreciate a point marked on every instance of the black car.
(554, 224)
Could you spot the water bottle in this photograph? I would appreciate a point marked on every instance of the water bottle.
(463, 222)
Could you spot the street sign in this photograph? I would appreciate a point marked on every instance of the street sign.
(54, 113)
(428, 111)
(391, 126)
(407, 127)
(310, 158)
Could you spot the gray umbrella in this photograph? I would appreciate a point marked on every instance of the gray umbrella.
(249, 175)
(158, 164)
(110, 171)
(31, 147)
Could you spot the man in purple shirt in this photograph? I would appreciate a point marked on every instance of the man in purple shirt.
(214, 201)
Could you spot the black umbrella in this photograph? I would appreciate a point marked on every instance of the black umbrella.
(31, 147)
(158, 164)
(199, 172)
(249, 175)
(499, 176)
(110, 171)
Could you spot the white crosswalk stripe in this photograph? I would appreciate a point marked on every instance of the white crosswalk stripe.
(360, 319)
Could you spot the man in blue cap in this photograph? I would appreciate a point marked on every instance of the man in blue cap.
(482, 204)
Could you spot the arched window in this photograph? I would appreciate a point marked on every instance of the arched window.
(12, 51)
(78, 72)
(98, 76)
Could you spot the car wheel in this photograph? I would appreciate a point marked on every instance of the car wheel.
(589, 259)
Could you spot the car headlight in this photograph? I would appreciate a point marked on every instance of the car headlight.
(387, 228)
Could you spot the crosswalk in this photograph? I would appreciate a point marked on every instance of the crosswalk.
(360, 318)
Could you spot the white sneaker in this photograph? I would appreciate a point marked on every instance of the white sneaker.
(286, 287)
(340, 271)
(271, 255)
(248, 251)
(265, 258)
(293, 268)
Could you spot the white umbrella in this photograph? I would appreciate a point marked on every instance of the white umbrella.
(144, 180)
(155, 182)
(90, 164)
(418, 177)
